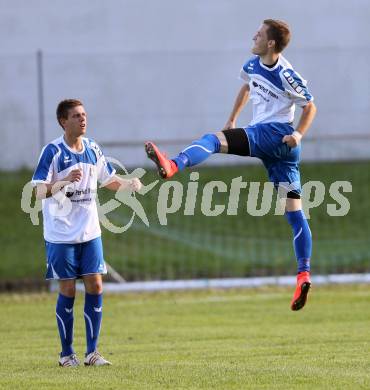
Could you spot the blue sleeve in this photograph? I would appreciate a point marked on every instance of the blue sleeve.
(43, 170)
(104, 167)
(247, 68)
(105, 170)
(297, 86)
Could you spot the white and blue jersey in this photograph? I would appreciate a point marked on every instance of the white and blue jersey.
(73, 217)
(274, 91)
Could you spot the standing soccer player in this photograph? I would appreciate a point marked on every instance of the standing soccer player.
(66, 180)
(274, 88)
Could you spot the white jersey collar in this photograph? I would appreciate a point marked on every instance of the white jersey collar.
(71, 150)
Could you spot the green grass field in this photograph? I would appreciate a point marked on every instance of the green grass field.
(199, 246)
(237, 339)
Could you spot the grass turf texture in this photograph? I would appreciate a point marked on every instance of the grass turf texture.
(233, 339)
(199, 246)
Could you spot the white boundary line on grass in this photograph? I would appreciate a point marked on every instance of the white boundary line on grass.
(167, 285)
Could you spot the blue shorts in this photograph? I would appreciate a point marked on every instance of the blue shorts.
(72, 261)
(281, 161)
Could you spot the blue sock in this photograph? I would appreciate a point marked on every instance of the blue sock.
(93, 316)
(302, 238)
(64, 314)
(198, 151)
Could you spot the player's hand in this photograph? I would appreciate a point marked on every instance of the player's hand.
(292, 140)
(74, 175)
(135, 184)
(229, 125)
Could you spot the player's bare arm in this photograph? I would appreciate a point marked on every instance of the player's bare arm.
(239, 104)
(44, 191)
(119, 184)
(307, 116)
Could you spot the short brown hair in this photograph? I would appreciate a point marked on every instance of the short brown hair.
(279, 32)
(64, 106)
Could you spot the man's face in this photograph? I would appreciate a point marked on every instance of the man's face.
(261, 42)
(76, 122)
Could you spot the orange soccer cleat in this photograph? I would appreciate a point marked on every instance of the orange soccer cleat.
(166, 167)
(301, 291)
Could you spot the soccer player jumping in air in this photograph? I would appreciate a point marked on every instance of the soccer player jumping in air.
(274, 88)
(66, 178)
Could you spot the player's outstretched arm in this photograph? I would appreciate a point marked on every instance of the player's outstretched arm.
(239, 104)
(116, 183)
(44, 190)
(307, 116)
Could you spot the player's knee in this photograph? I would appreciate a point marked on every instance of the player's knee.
(224, 148)
(210, 141)
(67, 289)
(94, 287)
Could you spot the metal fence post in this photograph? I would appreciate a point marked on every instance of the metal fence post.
(40, 93)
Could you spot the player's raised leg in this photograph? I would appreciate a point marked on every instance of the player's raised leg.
(302, 241)
(233, 141)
